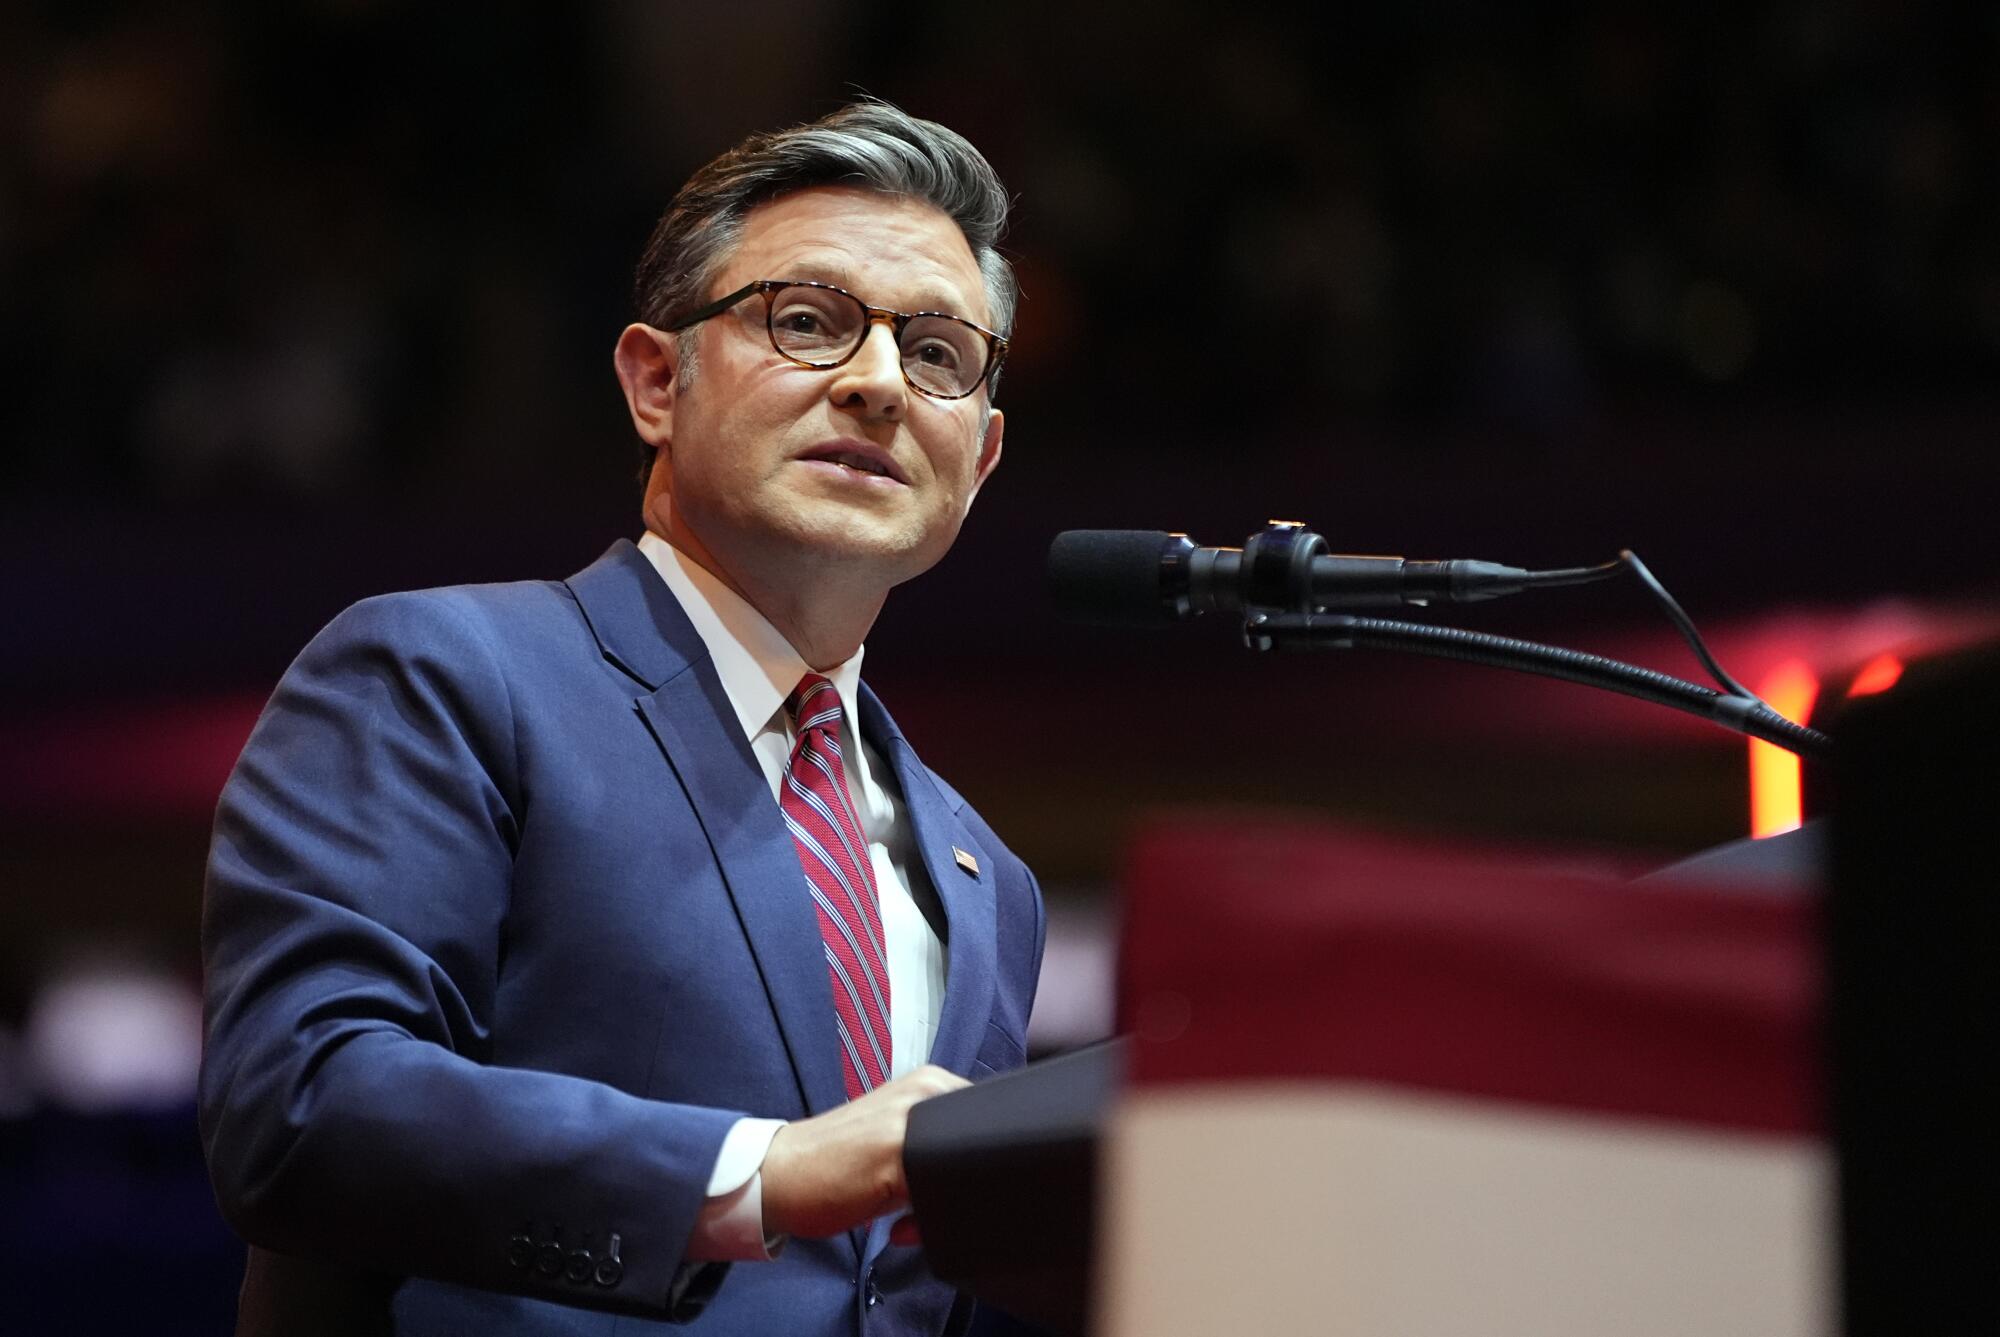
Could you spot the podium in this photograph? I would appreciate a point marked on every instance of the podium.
(1375, 1088)
(1378, 1089)
(1370, 1088)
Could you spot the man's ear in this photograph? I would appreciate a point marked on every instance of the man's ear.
(647, 361)
(989, 451)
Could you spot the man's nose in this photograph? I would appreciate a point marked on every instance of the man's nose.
(872, 380)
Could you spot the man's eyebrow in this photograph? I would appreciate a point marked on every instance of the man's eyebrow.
(828, 272)
(840, 276)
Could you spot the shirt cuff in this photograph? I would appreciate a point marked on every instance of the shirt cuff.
(730, 1226)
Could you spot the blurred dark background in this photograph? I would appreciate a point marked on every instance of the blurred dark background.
(303, 302)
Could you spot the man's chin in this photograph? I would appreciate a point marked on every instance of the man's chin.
(890, 554)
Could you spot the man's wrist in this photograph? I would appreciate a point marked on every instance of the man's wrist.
(730, 1225)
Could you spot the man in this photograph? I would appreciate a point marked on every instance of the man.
(575, 950)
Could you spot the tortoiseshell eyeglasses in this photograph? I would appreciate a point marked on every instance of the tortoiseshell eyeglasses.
(819, 325)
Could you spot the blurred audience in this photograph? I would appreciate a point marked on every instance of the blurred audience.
(317, 247)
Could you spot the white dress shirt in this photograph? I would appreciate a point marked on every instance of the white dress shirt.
(759, 669)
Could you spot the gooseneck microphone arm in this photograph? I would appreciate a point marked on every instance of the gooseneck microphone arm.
(1283, 581)
(1341, 631)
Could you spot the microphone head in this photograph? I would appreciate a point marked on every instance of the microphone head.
(1114, 577)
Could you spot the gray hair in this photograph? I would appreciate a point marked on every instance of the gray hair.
(868, 143)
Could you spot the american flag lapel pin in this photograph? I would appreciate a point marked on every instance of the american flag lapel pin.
(965, 861)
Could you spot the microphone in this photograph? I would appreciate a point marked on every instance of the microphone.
(1138, 577)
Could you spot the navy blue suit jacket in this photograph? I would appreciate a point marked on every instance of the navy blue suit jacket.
(503, 930)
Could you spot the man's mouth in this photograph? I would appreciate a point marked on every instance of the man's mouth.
(854, 459)
(859, 463)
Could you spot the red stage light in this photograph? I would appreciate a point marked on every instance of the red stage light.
(1877, 675)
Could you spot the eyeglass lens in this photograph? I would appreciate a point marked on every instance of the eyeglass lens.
(819, 326)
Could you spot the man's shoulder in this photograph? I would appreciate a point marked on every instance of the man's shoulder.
(499, 629)
(515, 614)
(446, 615)
(491, 607)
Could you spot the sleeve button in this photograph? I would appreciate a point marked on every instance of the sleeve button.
(610, 1268)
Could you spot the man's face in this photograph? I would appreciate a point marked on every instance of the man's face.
(754, 440)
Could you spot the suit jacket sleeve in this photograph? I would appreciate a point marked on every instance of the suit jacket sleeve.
(353, 931)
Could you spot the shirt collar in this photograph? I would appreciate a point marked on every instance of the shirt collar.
(757, 665)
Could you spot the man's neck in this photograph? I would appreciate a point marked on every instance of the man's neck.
(824, 619)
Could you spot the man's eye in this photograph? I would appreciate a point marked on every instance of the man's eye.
(935, 353)
(799, 321)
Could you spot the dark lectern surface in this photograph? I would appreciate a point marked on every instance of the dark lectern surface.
(1002, 1178)
(1794, 862)
(1913, 938)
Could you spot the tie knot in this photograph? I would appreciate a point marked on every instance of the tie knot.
(814, 704)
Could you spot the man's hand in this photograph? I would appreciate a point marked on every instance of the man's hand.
(831, 1173)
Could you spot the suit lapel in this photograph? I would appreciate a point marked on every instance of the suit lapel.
(696, 731)
(641, 628)
(967, 896)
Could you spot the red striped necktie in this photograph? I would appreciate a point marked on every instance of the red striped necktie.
(840, 877)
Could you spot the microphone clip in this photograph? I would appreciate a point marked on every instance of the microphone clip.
(1278, 567)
